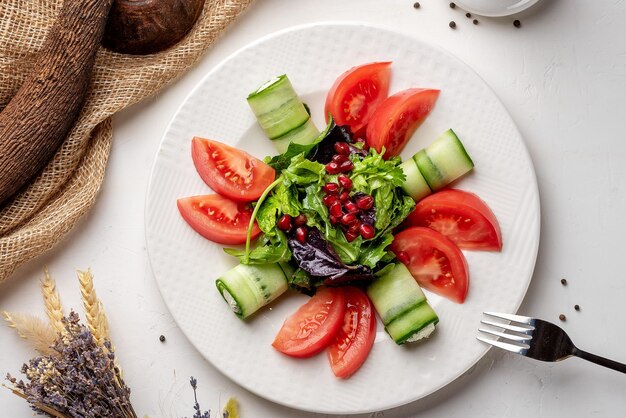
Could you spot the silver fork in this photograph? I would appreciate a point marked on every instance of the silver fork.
(538, 339)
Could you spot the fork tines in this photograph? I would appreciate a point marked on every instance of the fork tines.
(516, 335)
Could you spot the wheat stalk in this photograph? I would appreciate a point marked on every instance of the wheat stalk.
(44, 408)
(38, 332)
(52, 302)
(94, 310)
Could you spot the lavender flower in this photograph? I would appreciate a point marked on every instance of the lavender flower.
(80, 380)
(196, 406)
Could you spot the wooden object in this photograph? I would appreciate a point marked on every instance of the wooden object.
(141, 27)
(40, 115)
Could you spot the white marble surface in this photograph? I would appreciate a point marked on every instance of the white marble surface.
(562, 76)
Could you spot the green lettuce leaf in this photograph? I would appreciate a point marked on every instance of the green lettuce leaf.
(373, 251)
(303, 172)
(269, 249)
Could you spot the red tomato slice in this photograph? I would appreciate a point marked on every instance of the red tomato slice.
(396, 119)
(436, 262)
(231, 172)
(314, 325)
(355, 338)
(217, 218)
(461, 216)
(356, 93)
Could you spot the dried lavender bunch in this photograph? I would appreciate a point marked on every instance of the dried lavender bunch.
(79, 380)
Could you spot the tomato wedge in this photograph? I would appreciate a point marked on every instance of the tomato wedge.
(396, 119)
(313, 326)
(355, 338)
(434, 261)
(461, 216)
(229, 171)
(356, 93)
(217, 218)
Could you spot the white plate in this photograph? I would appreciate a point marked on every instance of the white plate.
(185, 265)
(495, 8)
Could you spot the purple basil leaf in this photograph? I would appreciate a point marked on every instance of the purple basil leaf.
(318, 258)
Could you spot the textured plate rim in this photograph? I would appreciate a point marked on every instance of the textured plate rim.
(253, 44)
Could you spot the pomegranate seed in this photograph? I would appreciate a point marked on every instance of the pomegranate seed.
(329, 199)
(302, 234)
(300, 220)
(351, 236)
(338, 158)
(334, 219)
(367, 231)
(284, 223)
(403, 257)
(354, 228)
(351, 207)
(331, 188)
(348, 218)
(365, 202)
(345, 195)
(345, 166)
(335, 209)
(342, 148)
(332, 168)
(344, 181)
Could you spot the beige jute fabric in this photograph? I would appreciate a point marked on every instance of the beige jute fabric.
(43, 213)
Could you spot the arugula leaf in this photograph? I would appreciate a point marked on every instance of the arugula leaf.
(267, 215)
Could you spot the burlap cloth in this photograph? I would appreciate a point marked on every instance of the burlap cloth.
(42, 214)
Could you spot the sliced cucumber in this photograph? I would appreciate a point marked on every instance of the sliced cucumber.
(247, 288)
(402, 306)
(443, 161)
(304, 134)
(414, 185)
(281, 114)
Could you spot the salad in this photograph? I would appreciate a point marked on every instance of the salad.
(338, 215)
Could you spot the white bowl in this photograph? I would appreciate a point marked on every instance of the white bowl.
(495, 8)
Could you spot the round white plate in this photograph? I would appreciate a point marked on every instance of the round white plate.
(185, 264)
(495, 8)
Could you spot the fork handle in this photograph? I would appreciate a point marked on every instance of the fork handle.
(611, 364)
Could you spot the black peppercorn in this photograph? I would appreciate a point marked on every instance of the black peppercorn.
(562, 317)
(576, 307)
(162, 338)
(416, 5)
(468, 15)
(452, 5)
(452, 24)
(563, 282)
(517, 23)
(475, 22)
